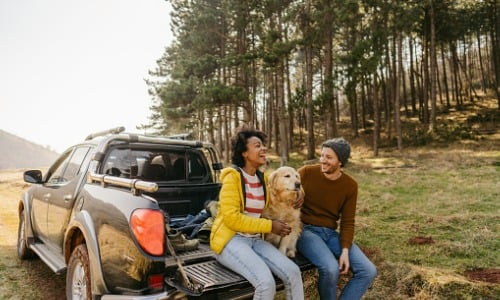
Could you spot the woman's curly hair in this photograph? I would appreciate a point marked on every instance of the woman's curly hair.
(239, 143)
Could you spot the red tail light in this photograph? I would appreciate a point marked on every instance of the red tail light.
(155, 281)
(149, 229)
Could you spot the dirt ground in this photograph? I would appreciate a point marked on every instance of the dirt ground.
(484, 275)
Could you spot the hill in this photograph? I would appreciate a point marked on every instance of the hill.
(18, 153)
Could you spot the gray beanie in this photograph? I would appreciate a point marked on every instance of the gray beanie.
(341, 147)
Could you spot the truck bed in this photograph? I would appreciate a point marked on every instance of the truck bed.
(211, 278)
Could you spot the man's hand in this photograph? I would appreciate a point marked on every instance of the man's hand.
(300, 199)
(344, 261)
(281, 228)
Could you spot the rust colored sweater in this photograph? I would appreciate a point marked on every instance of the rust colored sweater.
(328, 201)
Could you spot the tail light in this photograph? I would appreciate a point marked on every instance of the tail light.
(149, 230)
(155, 281)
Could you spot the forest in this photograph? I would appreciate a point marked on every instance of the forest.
(304, 71)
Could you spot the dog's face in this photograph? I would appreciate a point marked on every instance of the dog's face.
(284, 179)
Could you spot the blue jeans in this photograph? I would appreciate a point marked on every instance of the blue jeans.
(256, 260)
(321, 246)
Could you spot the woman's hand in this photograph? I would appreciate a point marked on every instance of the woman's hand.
(281, 228)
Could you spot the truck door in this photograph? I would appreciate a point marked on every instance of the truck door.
(61, 202)
(39, 211)
(43, 194)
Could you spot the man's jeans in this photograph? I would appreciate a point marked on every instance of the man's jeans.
(255, 259)
(321, 246)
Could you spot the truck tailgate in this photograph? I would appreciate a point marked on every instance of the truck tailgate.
(208, 277)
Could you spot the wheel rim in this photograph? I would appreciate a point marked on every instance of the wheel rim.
(79, 286)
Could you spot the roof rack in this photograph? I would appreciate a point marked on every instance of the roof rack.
(181, 136)
(115, 130)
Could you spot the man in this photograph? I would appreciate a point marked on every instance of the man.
(330, 201)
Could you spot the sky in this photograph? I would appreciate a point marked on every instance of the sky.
(69, 68)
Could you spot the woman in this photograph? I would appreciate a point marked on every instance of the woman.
(236, 236)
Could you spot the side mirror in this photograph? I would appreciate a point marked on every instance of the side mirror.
(33, 176)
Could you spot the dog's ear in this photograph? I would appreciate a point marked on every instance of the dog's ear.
(272, 178)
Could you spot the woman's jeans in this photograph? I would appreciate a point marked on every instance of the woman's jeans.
(255, 259)
(321, 246)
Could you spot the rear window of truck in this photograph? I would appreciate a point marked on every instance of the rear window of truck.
(157, 165)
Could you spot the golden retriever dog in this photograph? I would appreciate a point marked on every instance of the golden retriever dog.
(284, 186)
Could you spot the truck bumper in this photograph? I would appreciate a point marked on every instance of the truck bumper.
(158, 296)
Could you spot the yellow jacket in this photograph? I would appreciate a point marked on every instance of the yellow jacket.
(230, 217)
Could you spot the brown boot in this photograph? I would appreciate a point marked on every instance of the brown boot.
(180, 243)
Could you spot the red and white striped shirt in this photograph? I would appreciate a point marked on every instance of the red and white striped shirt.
(254, 193)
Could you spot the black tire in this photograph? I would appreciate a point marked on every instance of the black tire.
(23, 251)
(78, 275)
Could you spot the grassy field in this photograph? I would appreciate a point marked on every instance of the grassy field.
(430, 220)
(429, 217)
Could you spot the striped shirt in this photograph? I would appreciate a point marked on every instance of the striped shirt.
(254, 193)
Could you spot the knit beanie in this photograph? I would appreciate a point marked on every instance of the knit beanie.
(341, 147)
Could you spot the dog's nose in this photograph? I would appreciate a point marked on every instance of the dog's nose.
(297, 185)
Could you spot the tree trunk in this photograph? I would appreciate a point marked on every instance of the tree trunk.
(242, 69)
(481, 65)
(432, 77)
(438, 81)
(425, 83)
(445, 77)
(268, 110)
(211, 129)
(220, 139)
(331, 129)
(291, 112)
(282, 113)
(495, 46)
(362, 106)
(397, 105)
(376, 114)
(388, 94)
(420, 92)
(403, 78)
(227, 132)
(456, 75)
(412, 79)
(309, 88)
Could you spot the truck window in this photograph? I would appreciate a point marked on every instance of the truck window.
(153, 164)
(76, 162)
(69, 167)
(197, 169)
(56, 172)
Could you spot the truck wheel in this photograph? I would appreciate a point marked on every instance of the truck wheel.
(23, 251)
(78, 275)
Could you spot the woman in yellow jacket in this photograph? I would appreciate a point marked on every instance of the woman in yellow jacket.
(236, 236)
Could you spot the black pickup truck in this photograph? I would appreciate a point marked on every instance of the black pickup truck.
(100, 213)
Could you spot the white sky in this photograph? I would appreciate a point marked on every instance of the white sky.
(69, 68)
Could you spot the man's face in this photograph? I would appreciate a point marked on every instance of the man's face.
(329, 161)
